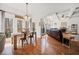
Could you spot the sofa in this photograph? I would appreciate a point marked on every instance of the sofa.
(2, 42)
(58, 35)
(55, 33)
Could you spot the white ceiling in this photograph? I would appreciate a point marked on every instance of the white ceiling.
(16, 8)
(36, 10)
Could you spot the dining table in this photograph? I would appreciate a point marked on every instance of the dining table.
(16, 35)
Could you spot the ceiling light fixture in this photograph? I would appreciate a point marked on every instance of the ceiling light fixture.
(26, 16)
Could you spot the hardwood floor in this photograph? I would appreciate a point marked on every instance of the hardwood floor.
(45, 46)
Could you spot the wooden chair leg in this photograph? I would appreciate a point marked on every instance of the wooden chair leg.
(30, 40)
(27, 41)
(22, 43)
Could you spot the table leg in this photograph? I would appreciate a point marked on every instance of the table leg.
(35, 38)
(30, 40)
(15, 42)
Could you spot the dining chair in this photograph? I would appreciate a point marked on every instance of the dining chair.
(23, 39)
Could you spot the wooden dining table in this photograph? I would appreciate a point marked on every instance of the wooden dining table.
(15, 38)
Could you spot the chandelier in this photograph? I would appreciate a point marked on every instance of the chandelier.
(27, 16)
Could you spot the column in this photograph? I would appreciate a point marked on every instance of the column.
(2, 21)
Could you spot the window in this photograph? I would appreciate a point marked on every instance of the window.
(19, 25)
(8, 26)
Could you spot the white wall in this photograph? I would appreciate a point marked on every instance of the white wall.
(0, 20)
